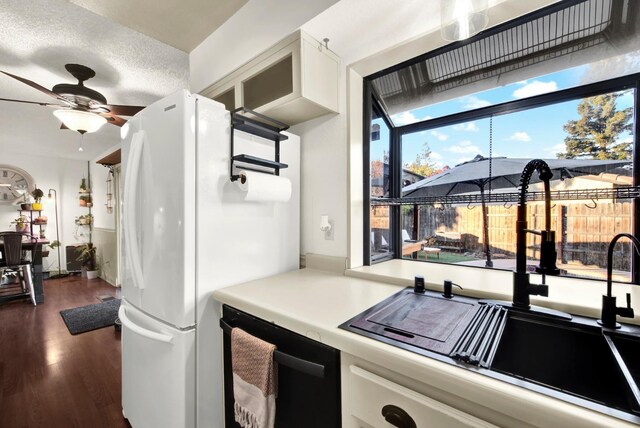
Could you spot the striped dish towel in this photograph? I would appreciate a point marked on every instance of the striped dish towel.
(255, 377)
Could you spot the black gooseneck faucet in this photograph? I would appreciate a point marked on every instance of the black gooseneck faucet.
(609, 308)
(522, 288)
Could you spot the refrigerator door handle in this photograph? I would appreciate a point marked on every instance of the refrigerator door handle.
(159, 337)
(130, 186)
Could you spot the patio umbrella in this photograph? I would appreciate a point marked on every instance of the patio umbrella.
(474, 176)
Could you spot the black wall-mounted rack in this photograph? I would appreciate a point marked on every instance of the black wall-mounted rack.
(261, 126)
(630, 192)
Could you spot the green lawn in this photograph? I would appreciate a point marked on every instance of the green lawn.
(445, 257)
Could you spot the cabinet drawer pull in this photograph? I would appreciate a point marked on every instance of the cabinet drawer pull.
(397, 417)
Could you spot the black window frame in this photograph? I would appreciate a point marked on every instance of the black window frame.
(371, 101)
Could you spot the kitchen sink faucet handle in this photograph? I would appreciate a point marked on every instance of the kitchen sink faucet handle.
(628, 311)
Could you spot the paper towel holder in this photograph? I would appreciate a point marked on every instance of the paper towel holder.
(261, 126)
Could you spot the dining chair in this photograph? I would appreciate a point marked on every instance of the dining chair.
(12, 261)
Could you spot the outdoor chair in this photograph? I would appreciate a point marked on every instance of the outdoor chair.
(12, 261)
(384, 245)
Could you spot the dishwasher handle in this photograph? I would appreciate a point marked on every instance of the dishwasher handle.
(295, 363)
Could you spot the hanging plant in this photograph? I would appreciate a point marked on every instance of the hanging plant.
(84, 220)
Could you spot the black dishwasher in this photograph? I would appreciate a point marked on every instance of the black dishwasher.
(308, 374)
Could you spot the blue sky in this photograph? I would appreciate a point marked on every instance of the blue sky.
(528, 134)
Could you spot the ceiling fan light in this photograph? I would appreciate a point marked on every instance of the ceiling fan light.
(80, 121)
(461, 19)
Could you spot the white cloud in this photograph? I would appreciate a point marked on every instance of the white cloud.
(558, 148)
(475, 102)
(468, 127)
(535, 88)
(406, 118)
(464, 147)
(519, 136)
(403, 118)
(435, 156)
(440, 136)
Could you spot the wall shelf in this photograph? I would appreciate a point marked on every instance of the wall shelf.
(256, 127)
(33, 223)
(252, 160)
(261, 126)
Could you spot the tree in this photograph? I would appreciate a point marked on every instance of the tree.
(595, 134)
(378, 166)
(379, 171)
(423, 165)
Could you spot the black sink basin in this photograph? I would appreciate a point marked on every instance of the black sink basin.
(570, 358)
(629, 348)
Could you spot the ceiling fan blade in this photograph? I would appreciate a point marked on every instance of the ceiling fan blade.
(123, 110)
(113, 119)
(32, 102)
(39, 88)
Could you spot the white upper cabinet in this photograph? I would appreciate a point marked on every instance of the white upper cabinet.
(293, 81)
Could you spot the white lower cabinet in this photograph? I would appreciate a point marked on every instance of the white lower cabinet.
(376, 397)
(377, 402)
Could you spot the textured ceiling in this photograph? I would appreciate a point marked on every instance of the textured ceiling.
(183, 24)
(37, 41)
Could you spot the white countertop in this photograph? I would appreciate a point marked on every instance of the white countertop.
(314, 303)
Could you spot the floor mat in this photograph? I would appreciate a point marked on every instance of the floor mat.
(91, 317)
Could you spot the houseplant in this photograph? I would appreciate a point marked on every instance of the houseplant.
(84, 220)
(52, 246)
(26, 203)
(85, 200)
(37, 197)
(22, 223)
(87, 257)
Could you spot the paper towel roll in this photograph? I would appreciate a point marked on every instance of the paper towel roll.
(264, 187)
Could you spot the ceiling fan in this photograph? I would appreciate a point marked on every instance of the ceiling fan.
(82, 109)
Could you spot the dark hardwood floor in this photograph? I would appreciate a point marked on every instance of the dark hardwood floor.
(49, 378)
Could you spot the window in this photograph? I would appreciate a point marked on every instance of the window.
(456, 170)
(486, 157)
(566, 45)
(379, 183)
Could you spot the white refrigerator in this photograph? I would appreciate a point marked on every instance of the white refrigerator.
(188, 230)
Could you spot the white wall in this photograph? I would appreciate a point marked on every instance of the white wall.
(326, 141)
(254, 28)
(104, 234)
(101, 218)
(368, 36)
(64, 176)
(323, 160)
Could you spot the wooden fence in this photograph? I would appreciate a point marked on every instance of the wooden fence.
(583, 232)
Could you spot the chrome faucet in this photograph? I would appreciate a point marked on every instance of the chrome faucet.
(522, 288)
(609, 308)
